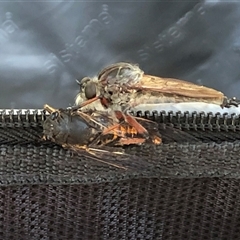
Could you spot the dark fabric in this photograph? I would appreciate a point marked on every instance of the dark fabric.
(146, 208)
(46, 45)
(186, 188)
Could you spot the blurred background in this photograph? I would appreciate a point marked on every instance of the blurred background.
(45, 46)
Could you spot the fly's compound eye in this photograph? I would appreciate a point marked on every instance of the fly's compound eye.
(82, 83)
(90, 90)
(54, 115)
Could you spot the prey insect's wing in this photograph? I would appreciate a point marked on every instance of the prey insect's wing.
(90, 119)
(112, 156)
(171, 134)
(96, 154)
(175, 86)
(96, 119)
(112, 132)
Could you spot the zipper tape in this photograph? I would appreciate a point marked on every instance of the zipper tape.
(184, 121)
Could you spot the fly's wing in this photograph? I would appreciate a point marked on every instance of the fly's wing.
(176, 86)
(107, 118)
(125, 77)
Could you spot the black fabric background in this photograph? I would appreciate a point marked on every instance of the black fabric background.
(44, 46)
(190, 190)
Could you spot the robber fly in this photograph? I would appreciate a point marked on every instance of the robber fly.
(125, 87)
(95, 132)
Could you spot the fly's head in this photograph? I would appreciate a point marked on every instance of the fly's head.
(92, 95)
(89, 89)
(111, 87)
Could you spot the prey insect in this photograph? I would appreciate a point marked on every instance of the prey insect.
(95, 133)
(125, 87)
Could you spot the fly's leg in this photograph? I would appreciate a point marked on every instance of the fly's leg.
(88, 102)
(103, 100)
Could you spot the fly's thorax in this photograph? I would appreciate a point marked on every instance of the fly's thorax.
(121, 73)
(121, 101)
(119, 95)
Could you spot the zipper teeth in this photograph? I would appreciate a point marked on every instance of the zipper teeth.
(186, 120)
(22, 117)
(195, 121)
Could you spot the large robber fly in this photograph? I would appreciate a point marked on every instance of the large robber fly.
(95, 133)
(125, 87)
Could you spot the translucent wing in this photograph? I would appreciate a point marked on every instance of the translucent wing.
(175, 86)
(112, 156)
(119, 76)
(106, 156)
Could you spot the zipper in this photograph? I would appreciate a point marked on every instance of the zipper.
(194, 121)
(22, 117)
(183, 121)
